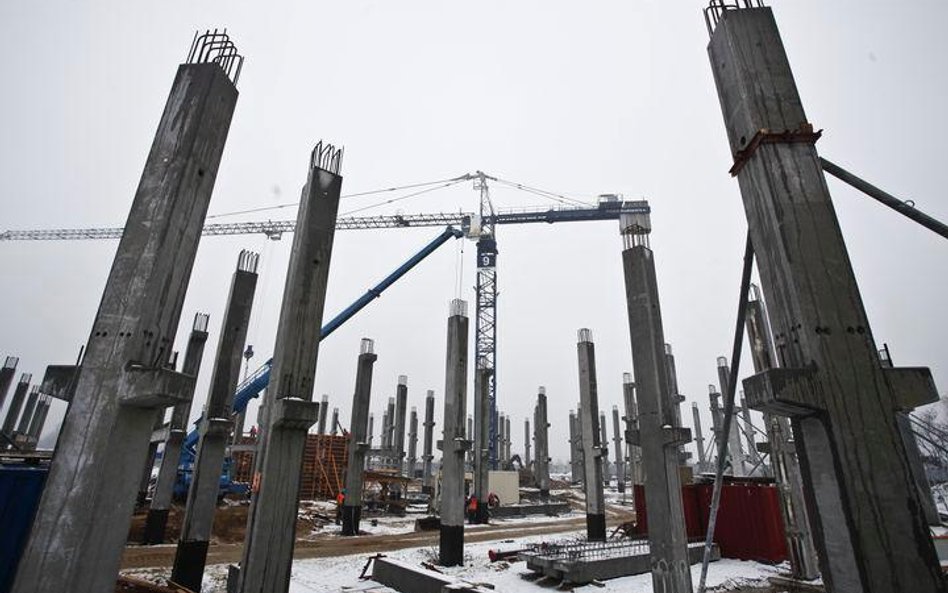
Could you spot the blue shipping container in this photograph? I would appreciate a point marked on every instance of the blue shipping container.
(20, 490)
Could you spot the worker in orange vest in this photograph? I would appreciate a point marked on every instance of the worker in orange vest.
(340, 500)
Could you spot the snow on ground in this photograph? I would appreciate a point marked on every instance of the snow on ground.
(333, 575)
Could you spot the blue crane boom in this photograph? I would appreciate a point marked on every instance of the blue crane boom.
(254, 384)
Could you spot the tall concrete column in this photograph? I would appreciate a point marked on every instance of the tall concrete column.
(271, 525)
(717, 418)
(657, 434)
(501, 445)
(541, 428)
(735, 450)
(752, 453)
(6, 377)
(868, 523)
(412, 442)
(27, 414)
(574, 459)
(401, 407)
(334, 421)
(593, 449)
(631, 425)
(604, 441)
(157, 519)
(699, 439)
(677, 398)
(371, 428)
(358, 444)
(453, 445)
(215, 428)
(323, 410)
(16, 405)
(481, 448)
(508, 439)
(39, 419)
(914, 454)
(427, 476)
(527, 460)
(804, 563)
(83, 517)
(388, 426)
(618, 445)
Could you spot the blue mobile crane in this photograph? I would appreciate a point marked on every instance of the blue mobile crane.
(251, 387)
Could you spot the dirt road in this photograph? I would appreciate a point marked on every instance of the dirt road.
(163, 556)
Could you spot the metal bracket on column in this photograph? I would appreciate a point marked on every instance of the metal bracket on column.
(60, 381)
(803, 134)
(148, 387)
(912, 386)
(675, 435)
(160, 435)
(292, 412)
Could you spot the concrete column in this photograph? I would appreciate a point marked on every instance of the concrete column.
(677, 398)
(481, 439)
(501, 447)
(371, 428)
(388, 441)
(157, 519)
(699, 439)
(604, 441)
(83, 517)
(401, 407)
(804, 563)
(16, 405)
(271, 525)
(527, 460)
(541, 434)
(574, 461)
(453, 445)
(358, 444)
(412, 442)
(427, 476)
(593, 449)
(27, 414)
(735, 450)
(914, 454)
(6, 377)
(215, 428)
(717, 418)
(618, 446)
(39, 419)
(631, 418)
(868, 523)
(323, 410)
(657, 434)
(752, 452)
(149, 465)
(335, 422)
(508, 439)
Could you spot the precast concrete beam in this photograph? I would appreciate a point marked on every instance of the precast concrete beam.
(83, 517)
(427, 476)
(271, 525)
(659, 437)
(215, 428)
(358, 443)
(453, 445)
(868, 523)
(593, 449)
(157, 520)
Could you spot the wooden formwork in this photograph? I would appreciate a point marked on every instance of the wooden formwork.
(324, 465)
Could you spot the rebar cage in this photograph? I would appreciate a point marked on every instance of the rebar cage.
(215, 47)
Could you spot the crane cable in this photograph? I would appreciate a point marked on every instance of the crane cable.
(405, 197)
(355, 195)
(542, 193)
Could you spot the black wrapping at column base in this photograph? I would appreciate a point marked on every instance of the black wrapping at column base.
(189, 561)
(350, 519)
(596, 528)
(452, 545)
(155, 524)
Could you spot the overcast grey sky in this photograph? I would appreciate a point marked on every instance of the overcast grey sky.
(579, 98)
